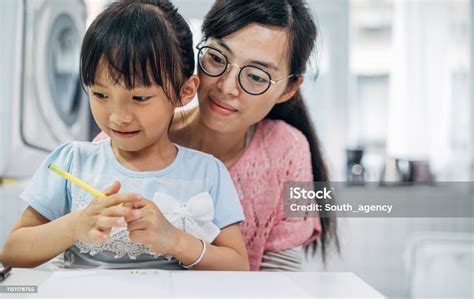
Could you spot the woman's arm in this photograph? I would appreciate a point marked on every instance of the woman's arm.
(288, 233)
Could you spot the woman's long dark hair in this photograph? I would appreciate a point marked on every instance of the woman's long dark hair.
(229, 16)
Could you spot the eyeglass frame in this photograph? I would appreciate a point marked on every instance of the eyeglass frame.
(227, 67)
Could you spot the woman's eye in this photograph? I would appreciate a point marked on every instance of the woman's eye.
(217, 59)
(257, 79)
(141, 98)
(99, 95)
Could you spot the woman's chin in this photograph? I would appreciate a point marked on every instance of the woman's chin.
(216, 122)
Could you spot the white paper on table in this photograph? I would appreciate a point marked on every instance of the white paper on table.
(107, 283)
(208, 284)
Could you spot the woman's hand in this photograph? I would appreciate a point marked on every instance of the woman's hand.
(94, 223)
(152, 228)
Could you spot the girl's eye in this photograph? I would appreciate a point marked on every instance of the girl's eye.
(99, 95)
(140, 98)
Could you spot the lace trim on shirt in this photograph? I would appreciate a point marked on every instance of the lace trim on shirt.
(119, 244)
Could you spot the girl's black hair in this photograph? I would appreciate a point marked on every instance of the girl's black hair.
(229, 16)
(142, 42)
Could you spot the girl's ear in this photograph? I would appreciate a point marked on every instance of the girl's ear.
(189, 89)
(290, 90)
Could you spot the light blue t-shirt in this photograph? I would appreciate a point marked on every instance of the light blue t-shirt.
(191, 175)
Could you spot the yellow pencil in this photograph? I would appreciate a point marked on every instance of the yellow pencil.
(76, 181)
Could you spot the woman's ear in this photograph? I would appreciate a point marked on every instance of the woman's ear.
(290, 91)
(189, 90)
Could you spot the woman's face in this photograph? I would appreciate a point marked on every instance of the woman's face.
(225, 107)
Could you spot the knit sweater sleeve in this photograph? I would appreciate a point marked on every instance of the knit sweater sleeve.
(295, 166)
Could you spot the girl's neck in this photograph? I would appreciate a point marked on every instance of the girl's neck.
(227, 147)
(152, 158)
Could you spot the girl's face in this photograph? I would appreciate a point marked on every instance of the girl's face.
(224, 105)
(136, 119)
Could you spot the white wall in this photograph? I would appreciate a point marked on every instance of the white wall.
(472, 90)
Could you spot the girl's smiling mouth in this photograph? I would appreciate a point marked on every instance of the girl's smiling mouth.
(123, 134)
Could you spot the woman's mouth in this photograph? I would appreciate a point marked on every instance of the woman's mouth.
(220, 108)
(123, 134)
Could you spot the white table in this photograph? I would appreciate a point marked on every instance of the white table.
(187, 284)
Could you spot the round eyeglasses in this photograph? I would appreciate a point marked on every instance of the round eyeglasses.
(252, 79)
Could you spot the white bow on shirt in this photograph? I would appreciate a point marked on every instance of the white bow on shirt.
(194, 217)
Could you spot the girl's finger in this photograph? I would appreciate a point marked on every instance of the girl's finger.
(139, 204)
(106, 231)
(119, 198)
(140, 236)
(139, 224)
(120, 211)
(128, 205)
(134, 215)
(97, 237)
(113, 189)
(106, 222)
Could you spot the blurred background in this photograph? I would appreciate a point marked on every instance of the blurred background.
(390, 89)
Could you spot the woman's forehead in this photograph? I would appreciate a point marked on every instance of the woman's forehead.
(259, 43)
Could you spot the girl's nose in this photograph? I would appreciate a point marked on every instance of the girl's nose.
(228, 83)
(121, 116)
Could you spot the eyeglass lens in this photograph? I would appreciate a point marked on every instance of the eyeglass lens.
(252, 79)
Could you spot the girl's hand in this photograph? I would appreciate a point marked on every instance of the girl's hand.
(94, 223)
(152, 228)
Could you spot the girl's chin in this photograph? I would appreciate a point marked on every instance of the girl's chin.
(125, 146)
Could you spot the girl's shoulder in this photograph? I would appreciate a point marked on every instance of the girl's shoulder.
(190, 154)
(194, 159)
(86, 148)
(78, 150)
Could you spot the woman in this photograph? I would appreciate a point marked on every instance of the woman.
(252, 117)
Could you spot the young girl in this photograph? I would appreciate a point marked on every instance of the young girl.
(137, 64)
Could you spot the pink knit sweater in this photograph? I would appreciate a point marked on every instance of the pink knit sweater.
(277, 153)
